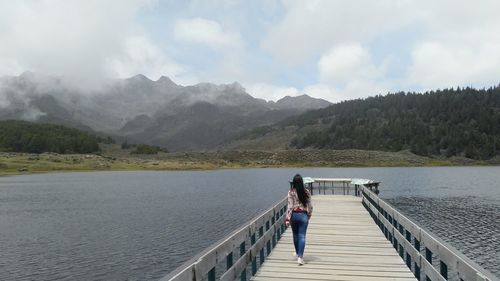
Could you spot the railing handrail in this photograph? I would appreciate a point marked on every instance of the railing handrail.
(450, 259)
(203, 265)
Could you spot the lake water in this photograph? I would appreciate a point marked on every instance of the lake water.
(142, 225)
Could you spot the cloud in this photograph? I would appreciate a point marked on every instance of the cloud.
(270, 92)
(206, 32)
(140, 55)
(353, 90)
(462, 46)
(333, 49)
(455, 43)
(309, 28)
(324, 91)
(439, 65)
(210, 36)
(84, 41)
(328, 92)
(347, 71)
(9, 66)
(347, 62)
(333, 34)
(64, 37)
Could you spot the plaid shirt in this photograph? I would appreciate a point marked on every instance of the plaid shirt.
(294, 203)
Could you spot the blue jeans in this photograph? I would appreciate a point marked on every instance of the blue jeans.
(299, 222)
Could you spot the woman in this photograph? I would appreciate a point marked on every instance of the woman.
(298, 214)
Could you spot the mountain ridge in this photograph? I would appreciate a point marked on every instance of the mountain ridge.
(114, 108)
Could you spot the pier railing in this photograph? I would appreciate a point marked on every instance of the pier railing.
(339, 185)
(428, 257)
(229, 258)
(238, 255)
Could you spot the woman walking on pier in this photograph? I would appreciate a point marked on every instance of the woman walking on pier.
(298, 214)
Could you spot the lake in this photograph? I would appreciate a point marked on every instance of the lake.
(141, 225)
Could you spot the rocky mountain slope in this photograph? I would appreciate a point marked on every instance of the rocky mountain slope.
(197, 117)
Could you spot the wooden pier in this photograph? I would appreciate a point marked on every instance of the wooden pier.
(353, 235)
(342, 243)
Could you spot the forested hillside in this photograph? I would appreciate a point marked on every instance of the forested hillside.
(22, 136)
(450, 122)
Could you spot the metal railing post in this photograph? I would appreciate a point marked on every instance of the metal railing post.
(243, 276)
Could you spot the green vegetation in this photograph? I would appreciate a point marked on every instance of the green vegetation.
(22, 136)
(18, 163)
(142, 148)
(444, 123)
(113, 158)
(106, 140)
(147, 149)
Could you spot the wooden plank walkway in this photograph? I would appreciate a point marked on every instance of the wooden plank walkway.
(342, 243)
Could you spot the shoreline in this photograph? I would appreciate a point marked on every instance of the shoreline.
(24, 164)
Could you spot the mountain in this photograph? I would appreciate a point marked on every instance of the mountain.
(303, 102)
(137, 109)
(206, 116)
(450, 122)
(137, 124)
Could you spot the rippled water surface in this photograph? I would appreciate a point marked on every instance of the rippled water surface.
(142, 225)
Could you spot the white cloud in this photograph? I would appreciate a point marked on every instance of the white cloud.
(140, 55)
(10, 66)
(439, 65)
(324, 91)
(338, 36)
(270, 92)
(347, 71)
(353, 90)
(84, 41)
(346, 62)
(64, 37)
(214, 36)
(462, 47)
(310, 28)
(206, 32)
(457, 42)
(358, 89)
(451, 18)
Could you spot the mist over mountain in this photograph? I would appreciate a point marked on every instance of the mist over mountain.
(137, 109)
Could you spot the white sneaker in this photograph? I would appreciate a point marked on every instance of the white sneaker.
(295, 255)
(300, 261)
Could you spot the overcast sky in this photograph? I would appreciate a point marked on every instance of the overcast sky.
(335, 50)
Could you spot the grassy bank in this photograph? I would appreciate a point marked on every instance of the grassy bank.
(114, 159)
(21, 163)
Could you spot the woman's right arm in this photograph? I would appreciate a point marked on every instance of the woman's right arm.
(289, 208)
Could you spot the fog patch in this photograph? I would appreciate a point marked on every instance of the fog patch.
(32, 114)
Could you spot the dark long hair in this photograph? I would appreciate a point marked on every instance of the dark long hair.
(298, 184)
